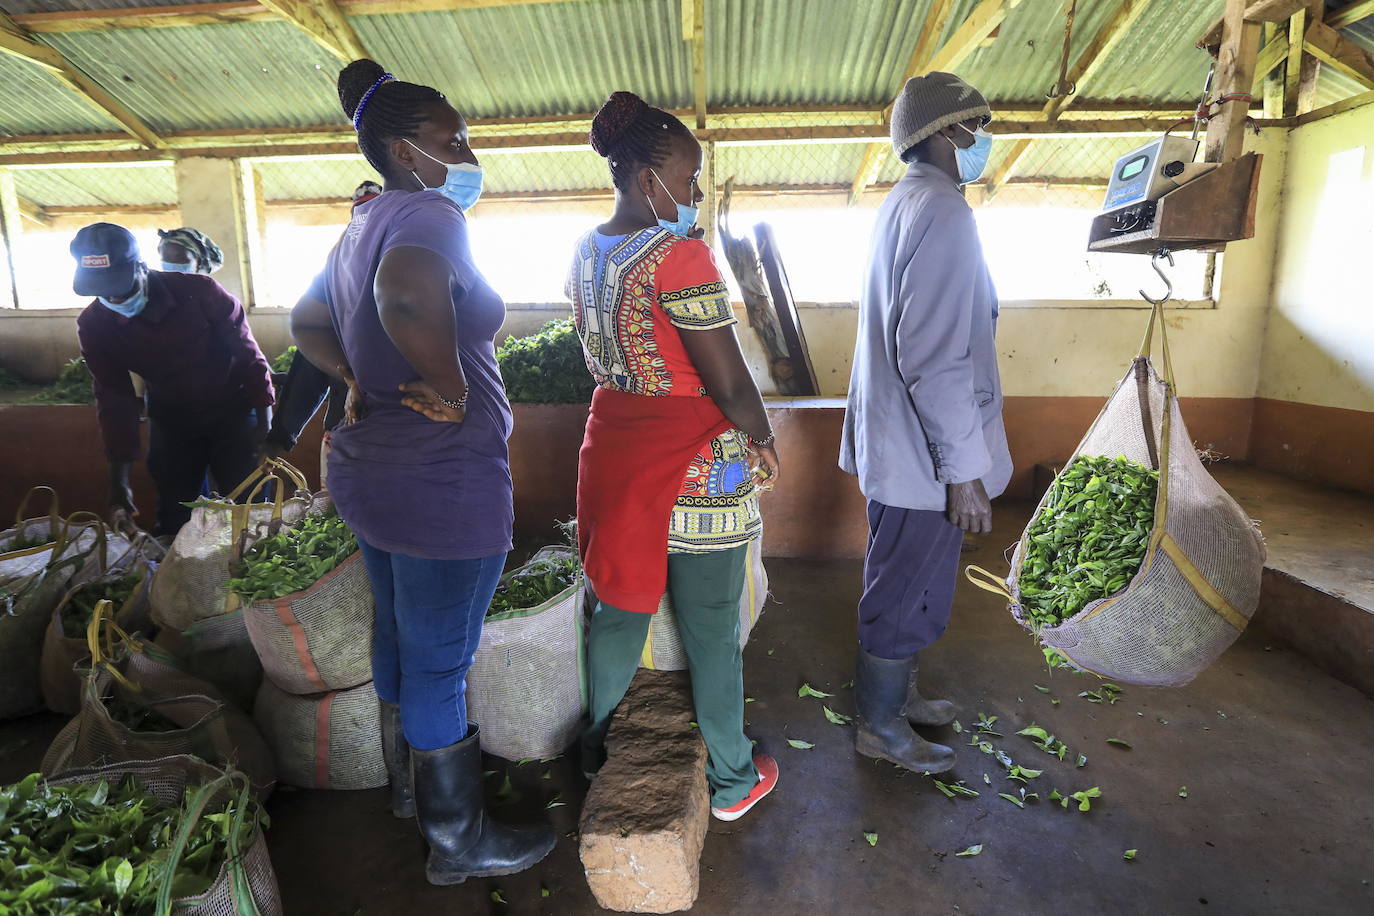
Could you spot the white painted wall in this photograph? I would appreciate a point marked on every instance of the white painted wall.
(1319, 345)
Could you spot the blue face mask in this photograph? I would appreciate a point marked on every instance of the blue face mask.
(169, 268)
(130, 306)
(462, 185)
(974, 159)
(686, 216)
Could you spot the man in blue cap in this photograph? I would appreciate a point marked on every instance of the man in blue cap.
(209, 390)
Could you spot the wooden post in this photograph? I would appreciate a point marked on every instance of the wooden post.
(1311, 68)
(707, 183)
(249, 219)
(10, 229)
(1240, 41)
(1273, 81)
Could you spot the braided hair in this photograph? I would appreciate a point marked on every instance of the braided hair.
(391, 109)
(631, 134)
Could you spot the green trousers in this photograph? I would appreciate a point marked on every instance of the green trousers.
(706, 591)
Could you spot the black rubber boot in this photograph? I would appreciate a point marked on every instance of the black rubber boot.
(396, 752)
(919, 710)
(880, 690)
(464, 842)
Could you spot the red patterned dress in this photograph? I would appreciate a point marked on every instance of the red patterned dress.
(633, 297)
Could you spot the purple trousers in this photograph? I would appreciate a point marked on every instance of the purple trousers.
(909, 574)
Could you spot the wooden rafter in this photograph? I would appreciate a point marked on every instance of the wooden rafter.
(1339, 53)
(980, 24)
(1292, 74)
(1272, 55)
(1350, 14)
(163, 17)
(1085, 66)
(18, 42)
(694, 31)
(324, 23)
(1255, 11)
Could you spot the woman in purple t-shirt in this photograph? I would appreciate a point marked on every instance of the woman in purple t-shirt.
(419, 468)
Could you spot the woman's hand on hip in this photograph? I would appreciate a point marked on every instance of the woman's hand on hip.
(423, 399)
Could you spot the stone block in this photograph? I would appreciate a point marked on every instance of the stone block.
(644, 819)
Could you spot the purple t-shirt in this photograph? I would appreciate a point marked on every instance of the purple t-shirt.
(407, 484)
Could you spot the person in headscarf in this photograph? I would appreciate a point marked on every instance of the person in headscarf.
(188, 251)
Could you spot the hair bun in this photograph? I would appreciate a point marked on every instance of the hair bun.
(355, 80)
(620, 111)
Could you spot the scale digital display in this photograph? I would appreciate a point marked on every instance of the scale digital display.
(1133, 168)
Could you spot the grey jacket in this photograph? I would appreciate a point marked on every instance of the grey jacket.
(925, 399)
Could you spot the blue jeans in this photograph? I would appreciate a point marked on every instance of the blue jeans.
(428, 620)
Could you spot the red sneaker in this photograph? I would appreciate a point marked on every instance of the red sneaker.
(768, 779)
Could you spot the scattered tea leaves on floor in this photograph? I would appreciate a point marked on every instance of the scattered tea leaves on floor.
(800, 745)
(1129, 855)
(836, 718)
(1182, 791)
(970, 851)
(872, 839)
(806, 690)
(497, 896)
(1120, 742)
(1012, 798)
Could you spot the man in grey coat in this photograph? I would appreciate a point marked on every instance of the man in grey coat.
(923, 429)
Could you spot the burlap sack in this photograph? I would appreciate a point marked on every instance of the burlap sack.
(1199, 582)
(62, 654)
(217, 650)
(191, 583)
(527, 684)
(319, 639)
(26, 606)
(326, 741)
(247, 885)
(136, 672)
(663, 648)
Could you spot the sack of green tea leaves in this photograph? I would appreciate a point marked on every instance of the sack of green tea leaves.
(26, 548)
(1136, 565)
(137, 705)
(123, 581)
(526, 687)
(324, 741)
(27, 601)
(663, 649)
(192, 582)
(167, 835)
(308, 605)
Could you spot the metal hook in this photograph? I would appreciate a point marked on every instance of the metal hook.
(1168, 285)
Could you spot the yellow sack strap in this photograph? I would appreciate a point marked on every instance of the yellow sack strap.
(988, 582)
(54, 512)
(1200, 584)
(102, 649)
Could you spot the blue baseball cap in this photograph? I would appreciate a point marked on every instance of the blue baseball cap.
(107, 261)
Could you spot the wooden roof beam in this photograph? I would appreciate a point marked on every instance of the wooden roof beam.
(985, 19)
(162, 17)
(1338, 52)
(323, 23)
(694, 31)
(1350, 14)
(16, 41)
(1255, 11)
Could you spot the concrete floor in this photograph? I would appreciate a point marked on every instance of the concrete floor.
(1274, 754)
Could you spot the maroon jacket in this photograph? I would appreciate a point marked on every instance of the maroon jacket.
(191, 345)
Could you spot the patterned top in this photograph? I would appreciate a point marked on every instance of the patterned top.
(632, 297)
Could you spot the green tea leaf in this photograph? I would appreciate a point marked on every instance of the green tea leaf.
(800, 745)
(1012, 798)
(1040, 688)
(545, 892)
(944, 789)
(835, 717)
(123, 877)
(497, 896)
(970, 851)
(806, 690)
(872, 839)
(1129, 855)
(1119, 743)
(1082, 760)
(1182, 791)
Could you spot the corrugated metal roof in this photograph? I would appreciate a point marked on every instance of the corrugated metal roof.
(538, 59)
(253, 74)
(1156, 61)
(94, 186)
(18, 7)
(35, 103)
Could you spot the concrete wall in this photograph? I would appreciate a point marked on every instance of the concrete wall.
(1314, 417)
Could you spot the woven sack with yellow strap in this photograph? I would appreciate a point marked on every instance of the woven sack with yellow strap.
(127, 669)
(191, 583)
(1199, 582)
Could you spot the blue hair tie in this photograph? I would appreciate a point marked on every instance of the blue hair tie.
(367, 96)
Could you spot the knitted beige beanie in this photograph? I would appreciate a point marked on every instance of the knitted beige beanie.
(928, 103)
